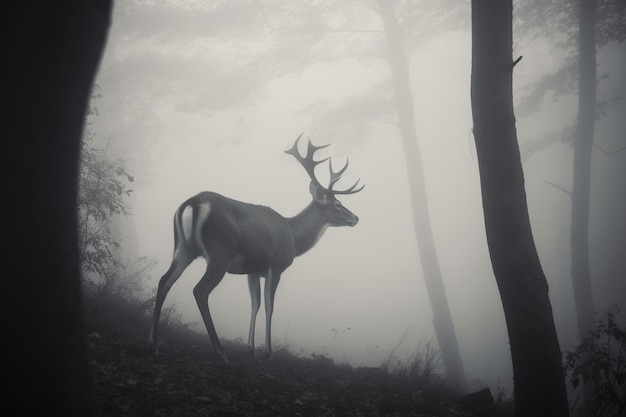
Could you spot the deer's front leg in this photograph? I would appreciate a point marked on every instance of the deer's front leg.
(255, 296)
(271, 283)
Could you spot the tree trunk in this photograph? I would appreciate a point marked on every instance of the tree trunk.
(53, 50)
(442, 319)
(536, 356)
(579, 235)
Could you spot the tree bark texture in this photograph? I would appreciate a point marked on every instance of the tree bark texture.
(539, 384)
(442, 319)
(52, 51)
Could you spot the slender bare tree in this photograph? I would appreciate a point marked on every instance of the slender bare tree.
(539, 384)
(442, 318)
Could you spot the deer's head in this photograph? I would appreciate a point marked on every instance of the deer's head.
(325, 197)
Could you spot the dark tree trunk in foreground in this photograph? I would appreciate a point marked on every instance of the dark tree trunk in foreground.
(442, 319)
(579, 235)
(51, 53)
(537, 368)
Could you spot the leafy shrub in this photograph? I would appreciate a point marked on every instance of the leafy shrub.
(103, 186)
(600, 360)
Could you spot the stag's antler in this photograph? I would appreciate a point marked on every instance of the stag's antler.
(336, 176)
(309, 165)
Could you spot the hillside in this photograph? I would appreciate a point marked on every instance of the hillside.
(187, 380)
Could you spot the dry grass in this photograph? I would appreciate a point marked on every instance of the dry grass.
(187, 379)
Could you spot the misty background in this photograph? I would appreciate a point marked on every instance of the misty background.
(198, 96)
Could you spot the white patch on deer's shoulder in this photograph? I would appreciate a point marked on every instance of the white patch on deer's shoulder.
(203, 214)
(187, 222)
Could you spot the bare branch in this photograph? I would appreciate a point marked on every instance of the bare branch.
(609, 152)
(558, 187)
(387, 120)
(375, 31)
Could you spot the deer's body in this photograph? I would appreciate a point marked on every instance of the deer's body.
(255, 238)
(243, 238)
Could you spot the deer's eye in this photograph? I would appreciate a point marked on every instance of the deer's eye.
(337, 205)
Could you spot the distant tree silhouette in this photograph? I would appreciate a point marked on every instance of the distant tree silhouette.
(581, 185)
(442, 318)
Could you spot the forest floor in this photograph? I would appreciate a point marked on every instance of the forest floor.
(187, 379)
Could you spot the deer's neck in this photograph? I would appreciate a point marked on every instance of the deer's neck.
(308, 227)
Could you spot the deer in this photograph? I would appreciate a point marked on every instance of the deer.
(248, 239)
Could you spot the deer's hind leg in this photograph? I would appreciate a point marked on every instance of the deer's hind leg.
(179, 263)
(216, 269)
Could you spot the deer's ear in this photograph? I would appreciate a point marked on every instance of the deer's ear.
(318, 194)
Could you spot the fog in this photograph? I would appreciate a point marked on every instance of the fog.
(358, 296)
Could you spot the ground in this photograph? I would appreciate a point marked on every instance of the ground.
(187, 379)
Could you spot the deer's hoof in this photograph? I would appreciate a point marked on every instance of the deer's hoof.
(153, 349)
(251, 353)
(222, 358)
